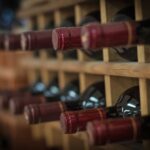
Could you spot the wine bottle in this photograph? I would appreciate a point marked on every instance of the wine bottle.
(68, 38)
(1, 41)
(5, 142)
(51, 111)
(5, 97)
(127, 105)
(12, 42)
(73, 121)
(52, 91)
(91, 18)
(34, 40)
(118, 130)
(40, 94)
(26, 93)
(17, 103)
(125, 14)
(93, 97)
(115, 34)
(38, 86)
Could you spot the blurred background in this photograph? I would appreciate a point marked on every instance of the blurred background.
(8, 10)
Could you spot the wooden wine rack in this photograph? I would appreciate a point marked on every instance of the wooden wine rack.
(117, 73)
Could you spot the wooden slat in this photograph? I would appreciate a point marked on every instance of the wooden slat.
(51, 6)
(126, 69)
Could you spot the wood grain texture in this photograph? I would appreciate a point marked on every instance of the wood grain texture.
(48, 7)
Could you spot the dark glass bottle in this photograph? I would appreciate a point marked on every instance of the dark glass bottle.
(127, 105)
(69, 97)
(90, 18)
(71, 92)
(93, 97)
(38, 87)
(68, 38)
(6, 95)
(126, 14)
(119, 34)
(39, 94)
(5, 142)
(129, 53)
(32, 95)
(52, 91)
(12, 42)
(119, 130)
(13, 99)
(34, 40)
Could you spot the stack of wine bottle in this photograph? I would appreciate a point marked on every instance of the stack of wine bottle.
(122, 33)
(83, 111)
(76, 111)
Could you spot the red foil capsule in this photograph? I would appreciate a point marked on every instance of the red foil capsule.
(73, 121)
(66, 38)
(95, 35)
(17, 104)
(113, 130)
(38, 113)
(1, 41)
(36, 40)
(12, 42)
(7, 95)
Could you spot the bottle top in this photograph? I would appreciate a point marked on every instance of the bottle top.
(17, 104)
(34, 40)
(95, 35)
(65, 38)
(12, 42)
(37, 113)
(73, 121)
(113, 130)
(4, 99)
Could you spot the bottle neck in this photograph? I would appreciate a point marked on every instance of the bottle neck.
(127, 129)
(145, 127)
(66, 38)
(143, 31)
(36, 40)
(73, 105)
(111, 112)
(73, 121)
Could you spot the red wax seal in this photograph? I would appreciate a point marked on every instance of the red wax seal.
(73, 121)
(17, 104)
(36, 40)
(65, 38)
(113, 130)
(37, 113)
(95, 35)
